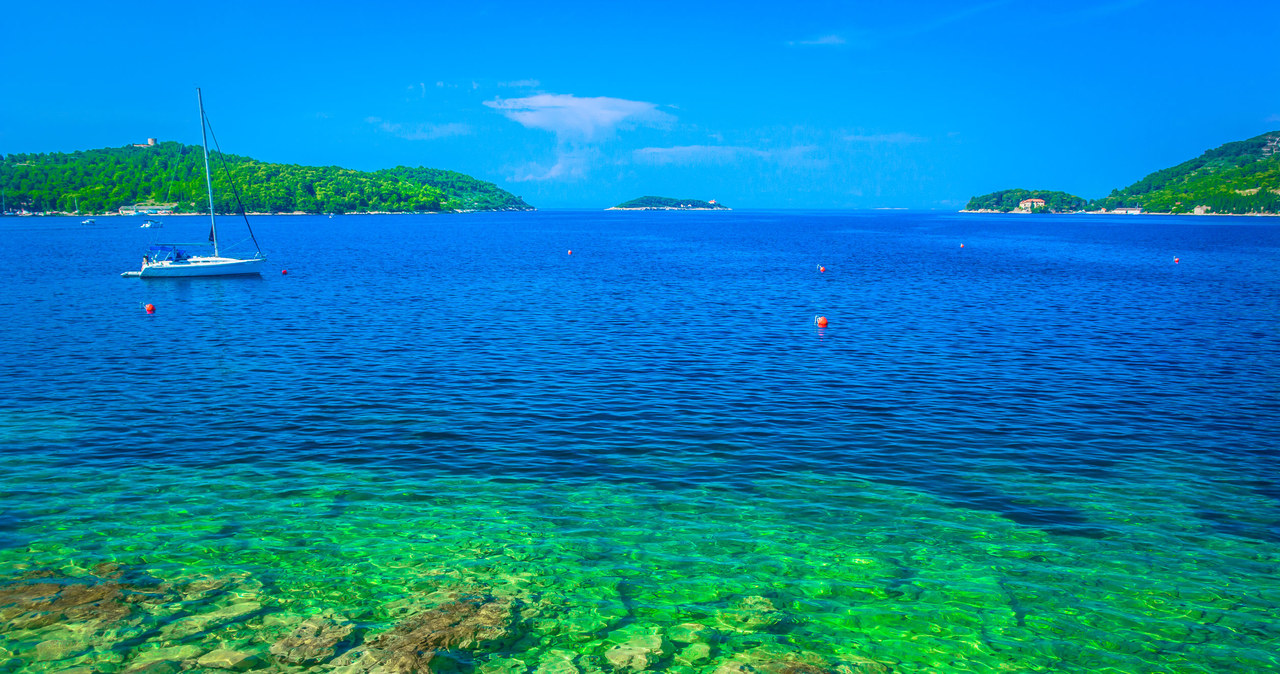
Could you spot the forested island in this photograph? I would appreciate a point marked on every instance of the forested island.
(169, 176)
(1027, 201)
(1241, 177)
(668, 204)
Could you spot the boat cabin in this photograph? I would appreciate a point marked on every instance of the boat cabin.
(167, 252)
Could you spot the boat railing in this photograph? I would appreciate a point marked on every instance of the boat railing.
(171, 252)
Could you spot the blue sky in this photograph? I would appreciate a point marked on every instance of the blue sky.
(583, 105)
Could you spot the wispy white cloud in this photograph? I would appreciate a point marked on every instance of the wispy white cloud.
(579, 124)
(420, 131)
(574, 118)
(897, 138)
(521, 84)
(570, 164)
(824, 41)
(1274, 118)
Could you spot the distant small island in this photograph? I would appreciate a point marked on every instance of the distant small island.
(1027, 201)
(668, 204)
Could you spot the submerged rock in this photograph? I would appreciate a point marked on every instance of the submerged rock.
(558, 662)
(469, 624)
(225, 658)
(688, 633)
(768, 660)
(107, 598)
(735, 667)
(314, 641)
(99, 618)
(503, 666)
(638, 653)
(58, 649)
(35, 605)
(751, 614)
(695, 654)
(206, 622)
(858, 665)
(177, 654)
(379, 661)
(156, 667)
(110, 570)
(800, 668)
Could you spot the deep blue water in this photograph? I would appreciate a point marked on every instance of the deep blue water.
(1048, 344)
(1035, 372)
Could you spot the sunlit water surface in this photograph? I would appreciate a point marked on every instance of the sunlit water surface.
(1021, 444)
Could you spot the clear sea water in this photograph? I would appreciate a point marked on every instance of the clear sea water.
(1021, 443)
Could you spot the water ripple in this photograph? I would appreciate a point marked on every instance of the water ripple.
(1049, 449)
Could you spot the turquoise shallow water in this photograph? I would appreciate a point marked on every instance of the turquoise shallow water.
(1050, 450)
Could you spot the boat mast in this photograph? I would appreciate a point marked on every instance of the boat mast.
(204, 137)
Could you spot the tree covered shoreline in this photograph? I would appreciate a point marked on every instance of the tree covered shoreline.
(1237, 178)
(1007, 201)
(170, 176)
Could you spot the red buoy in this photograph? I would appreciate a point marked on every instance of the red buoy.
(284, 271)
(571, 252)
(1175, 260)
(962, 245)
(821, 268)
(820, 321)
(151, 308)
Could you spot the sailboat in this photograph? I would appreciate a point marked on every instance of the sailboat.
(169, 260)
(90, 221)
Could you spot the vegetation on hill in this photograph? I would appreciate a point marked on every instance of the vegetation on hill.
(667, 202)
(1005, 201)
(1238, 177)
(172, 174)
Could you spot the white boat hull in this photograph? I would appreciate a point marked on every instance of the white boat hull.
(170, 261)
(202, 266)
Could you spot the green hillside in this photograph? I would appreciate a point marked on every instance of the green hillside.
(1005, 201)
(172, 174)
(1239, 177)
(669, 203)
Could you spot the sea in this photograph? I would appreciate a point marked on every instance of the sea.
(580, 442)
